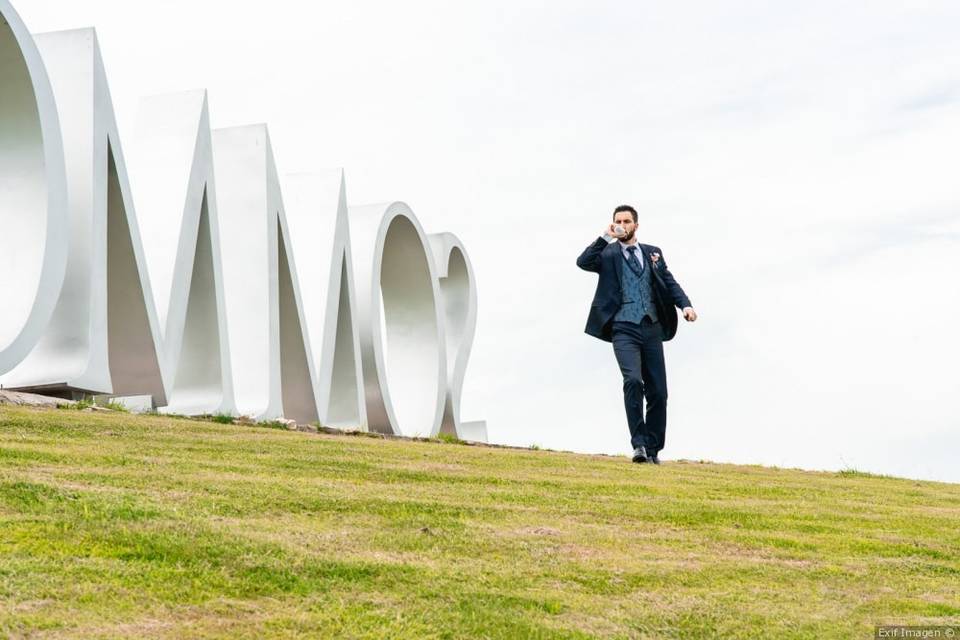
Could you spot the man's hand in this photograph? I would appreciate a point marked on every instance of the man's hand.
(609, 230)
(689, 314)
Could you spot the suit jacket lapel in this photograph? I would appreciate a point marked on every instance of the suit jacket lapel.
(644, 256)
(613, 250)
(648, 264)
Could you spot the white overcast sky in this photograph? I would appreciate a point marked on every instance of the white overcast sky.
(795, 161)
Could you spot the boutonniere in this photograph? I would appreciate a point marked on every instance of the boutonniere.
(654, 258)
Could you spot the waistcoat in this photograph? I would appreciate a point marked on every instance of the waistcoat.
(636, 291)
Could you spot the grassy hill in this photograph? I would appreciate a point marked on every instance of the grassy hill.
(113, 525)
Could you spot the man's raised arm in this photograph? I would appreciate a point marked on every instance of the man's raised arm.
(589, 260)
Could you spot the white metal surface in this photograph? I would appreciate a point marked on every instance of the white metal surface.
(197, 278)
(33, 192)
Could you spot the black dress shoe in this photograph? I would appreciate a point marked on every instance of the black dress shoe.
(653, 458)
(640, 454)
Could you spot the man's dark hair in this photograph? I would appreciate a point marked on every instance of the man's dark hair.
(626, 207)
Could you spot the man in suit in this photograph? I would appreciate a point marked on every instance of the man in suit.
(633, 308)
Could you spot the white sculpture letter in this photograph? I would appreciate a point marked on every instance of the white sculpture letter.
(33, 192)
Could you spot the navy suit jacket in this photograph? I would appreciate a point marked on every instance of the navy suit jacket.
(606, 259)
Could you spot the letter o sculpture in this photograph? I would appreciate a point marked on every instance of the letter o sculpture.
(402, 343)
(33, 193)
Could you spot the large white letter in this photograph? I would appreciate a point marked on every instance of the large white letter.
(273, 376)
(316, 208)
(172, 177)
(401, 328)
(103, 336)
(458, 289)
(33, 193)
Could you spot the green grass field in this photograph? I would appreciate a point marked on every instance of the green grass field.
(114, 525)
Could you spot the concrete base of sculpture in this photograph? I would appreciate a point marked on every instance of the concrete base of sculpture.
(24, 399)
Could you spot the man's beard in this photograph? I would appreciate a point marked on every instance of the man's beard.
(629, 236)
